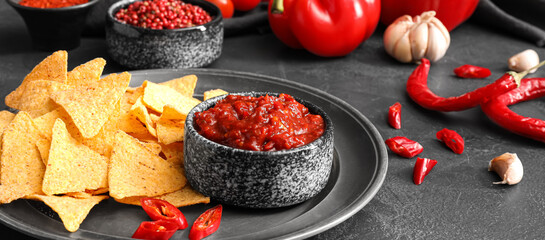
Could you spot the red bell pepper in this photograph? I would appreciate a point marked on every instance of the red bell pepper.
(451, 13)
(158, 209)
(207, 223)
(328, 28)
(156, 230)
(421, 169)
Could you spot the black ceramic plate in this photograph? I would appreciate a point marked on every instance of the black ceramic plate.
(359, 169)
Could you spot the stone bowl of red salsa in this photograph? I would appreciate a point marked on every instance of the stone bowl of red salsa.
(145, 34)
(54, 24)
(258, 149)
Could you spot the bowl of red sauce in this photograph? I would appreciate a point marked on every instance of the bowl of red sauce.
(258, 149)
(54, 24)
(144, 34)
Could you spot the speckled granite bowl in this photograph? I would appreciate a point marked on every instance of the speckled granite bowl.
(143, 48)
(53, 29)
(257, 179)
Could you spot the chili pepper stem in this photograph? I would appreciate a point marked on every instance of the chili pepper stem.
(277, 7)
(519, 76)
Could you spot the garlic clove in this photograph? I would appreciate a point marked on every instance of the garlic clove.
(402, 26)
(437, 46)
(524, 61)
(402, 49)
(508, 166)
(419, 40)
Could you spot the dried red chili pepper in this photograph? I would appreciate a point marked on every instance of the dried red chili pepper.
(207, 223)
(452, 139)
(421, 169)
(404, 147)
(394, 115)
(158, 209)
(498, 111)
(417, 88)
(472, 71)
(156, 230)
(51, 3)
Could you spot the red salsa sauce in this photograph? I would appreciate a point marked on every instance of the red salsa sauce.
(264, 123)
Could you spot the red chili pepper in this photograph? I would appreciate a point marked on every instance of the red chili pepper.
(158, 209)
(51, 3)
(326, 28)
(206, 224)
(498, 111)
(156, 230)
(404, 147)
(472, 71)
(417, 88)
(421, 169)
(394, 115)
(452, 139)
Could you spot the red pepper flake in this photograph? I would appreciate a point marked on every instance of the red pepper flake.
(394, 115)
(404, 147)
(452, 139)
(51, 3)
(472, 71)
(421, 169)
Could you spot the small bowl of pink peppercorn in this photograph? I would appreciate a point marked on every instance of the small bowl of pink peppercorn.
(164, 33)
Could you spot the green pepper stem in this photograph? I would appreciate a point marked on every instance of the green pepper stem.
(518, 76)
(277, 7)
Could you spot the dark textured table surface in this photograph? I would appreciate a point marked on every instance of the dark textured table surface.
(456, 201)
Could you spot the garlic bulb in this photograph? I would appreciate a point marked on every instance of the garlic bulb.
(409, 39)
(523, 61)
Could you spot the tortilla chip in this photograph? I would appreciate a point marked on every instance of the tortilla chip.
(213, 93)
(169, 131)
(171, 113)
(72, 211)
(174, 153)
(131, 97)
(185, 197)
(154, 147)
(156, 96)
(184, 85)
(43, 146)
(21, 161)
(136, 171)
(86, 74)
(80, 195)
(128, 122)
(72, 166)
(115, 80)
(141, 113)
(5, 118)
(52, 68)
(89, 108)
(11, 192)
(35, 98)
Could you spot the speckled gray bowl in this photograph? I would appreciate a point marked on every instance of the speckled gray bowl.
(257, 179)
(143, 48)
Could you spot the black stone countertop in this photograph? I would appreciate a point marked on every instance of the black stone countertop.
(457, 199)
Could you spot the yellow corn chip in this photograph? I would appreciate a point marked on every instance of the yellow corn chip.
(128, 122)
(80, 195)
(52, 68)
(169, 131)
(171, 113)
(43, 146)
(72, 166)
(174, 153)
(181, 198)
(35, 98)
(5, 119)
(87, 73)
(89, 107)
(134, 95)
(141, 113)
(153, 146)
(184, 85)
(213, 93)
(11, 192)
(156, 96)
(72, 211)
(136, 171)
(21, 162)
(115, 80)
